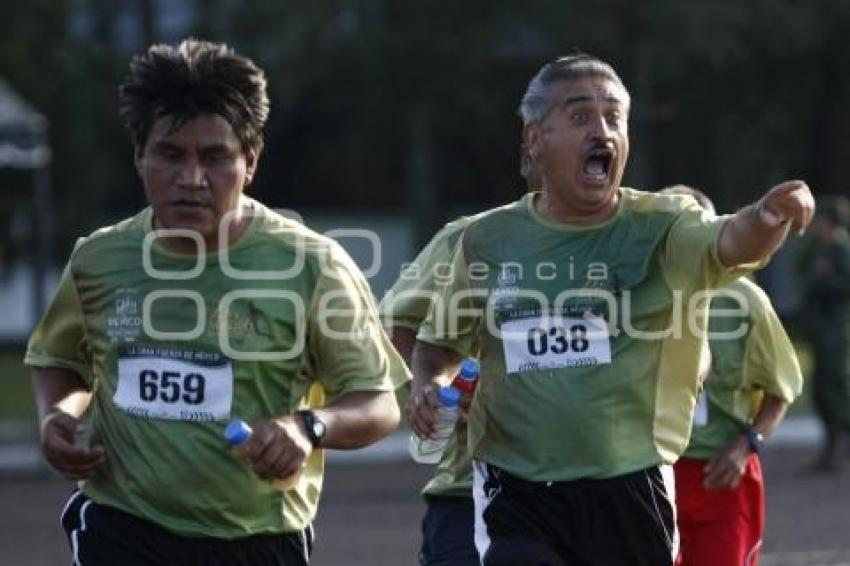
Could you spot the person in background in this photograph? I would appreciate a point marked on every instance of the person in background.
(753, 377)
(448, 525)
(825, 316)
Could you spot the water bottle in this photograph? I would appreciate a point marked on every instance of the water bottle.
(467, 378)
(430, 450)
(237, 434)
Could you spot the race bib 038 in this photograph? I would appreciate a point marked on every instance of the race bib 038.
(161, 383)
(552, 342)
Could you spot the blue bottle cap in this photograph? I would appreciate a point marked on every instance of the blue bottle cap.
(449, 396)
(469, 369)
(237, 432)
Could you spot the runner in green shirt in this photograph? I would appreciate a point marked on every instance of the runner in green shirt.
(754, 376)
(204, 306)
(586, 302)
(448, 525)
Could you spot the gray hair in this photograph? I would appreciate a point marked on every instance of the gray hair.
(539, 100)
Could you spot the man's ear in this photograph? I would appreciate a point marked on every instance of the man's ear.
(252, 157)
(138, 154)
(531, 134)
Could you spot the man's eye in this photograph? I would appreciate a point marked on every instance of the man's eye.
(215, 157)
(170, 153)
(578, 117)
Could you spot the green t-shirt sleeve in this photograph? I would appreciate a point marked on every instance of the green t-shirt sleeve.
(690, 259)
(770, 362)
(59, 340)
(345, 342)
(407, 303)
(455, 316)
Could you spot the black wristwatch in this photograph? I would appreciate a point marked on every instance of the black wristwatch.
(314, 426)
(755, 440)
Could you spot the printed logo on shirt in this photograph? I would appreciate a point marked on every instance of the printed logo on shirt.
(244, 320)
(125, 321)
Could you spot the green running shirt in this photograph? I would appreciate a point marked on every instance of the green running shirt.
(759, 360)
(406, 305)
(589, 350)
(174, 345)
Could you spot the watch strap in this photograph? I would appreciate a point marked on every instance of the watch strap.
(310, 420)
(755, 440)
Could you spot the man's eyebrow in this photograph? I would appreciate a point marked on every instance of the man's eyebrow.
(216, 146)
(579, 98)
(165, 143)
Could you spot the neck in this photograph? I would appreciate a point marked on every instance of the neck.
(552, 208)
(237, 226)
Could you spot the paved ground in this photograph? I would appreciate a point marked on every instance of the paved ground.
(370, 515)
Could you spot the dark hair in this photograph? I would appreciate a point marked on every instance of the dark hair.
(700, 196)
(538, 99)
(195, 78)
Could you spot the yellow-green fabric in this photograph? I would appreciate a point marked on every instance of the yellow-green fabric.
(637, 271)
(751, 355)
(316, 317)
(406, 305)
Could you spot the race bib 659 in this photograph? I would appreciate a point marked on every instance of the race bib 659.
(182, 385)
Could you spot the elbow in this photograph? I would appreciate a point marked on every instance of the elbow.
(384, 417)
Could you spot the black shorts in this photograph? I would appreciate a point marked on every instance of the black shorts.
(627, 520)
(100, 535)
(447, 532)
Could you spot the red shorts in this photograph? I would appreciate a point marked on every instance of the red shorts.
(719, 528)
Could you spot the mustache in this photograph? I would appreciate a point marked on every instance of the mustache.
(601, 145)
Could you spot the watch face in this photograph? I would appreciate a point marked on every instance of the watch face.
(315, 428)
(755, 440)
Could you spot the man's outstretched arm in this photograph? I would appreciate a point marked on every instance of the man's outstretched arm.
(759, 229)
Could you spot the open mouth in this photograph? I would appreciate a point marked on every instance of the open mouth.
(598, 164)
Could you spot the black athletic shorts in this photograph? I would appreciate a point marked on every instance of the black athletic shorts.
(627, 520)
(100, 535)
(447, 532)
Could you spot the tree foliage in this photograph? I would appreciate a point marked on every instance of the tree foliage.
(401, 105)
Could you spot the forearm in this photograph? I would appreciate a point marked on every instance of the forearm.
(749, 236)
(359, 418)
(58, 389)
(770, 414)
(432, 364)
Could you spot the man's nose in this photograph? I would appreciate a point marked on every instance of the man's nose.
(192, 174)
(600, 129)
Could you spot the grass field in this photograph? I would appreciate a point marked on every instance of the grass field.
(16, 402)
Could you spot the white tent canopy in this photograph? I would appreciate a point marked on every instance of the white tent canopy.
(23, 132)
(24, 145)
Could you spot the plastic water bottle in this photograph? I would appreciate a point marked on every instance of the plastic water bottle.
(237, 434)
(467, 378)
(430, 450)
